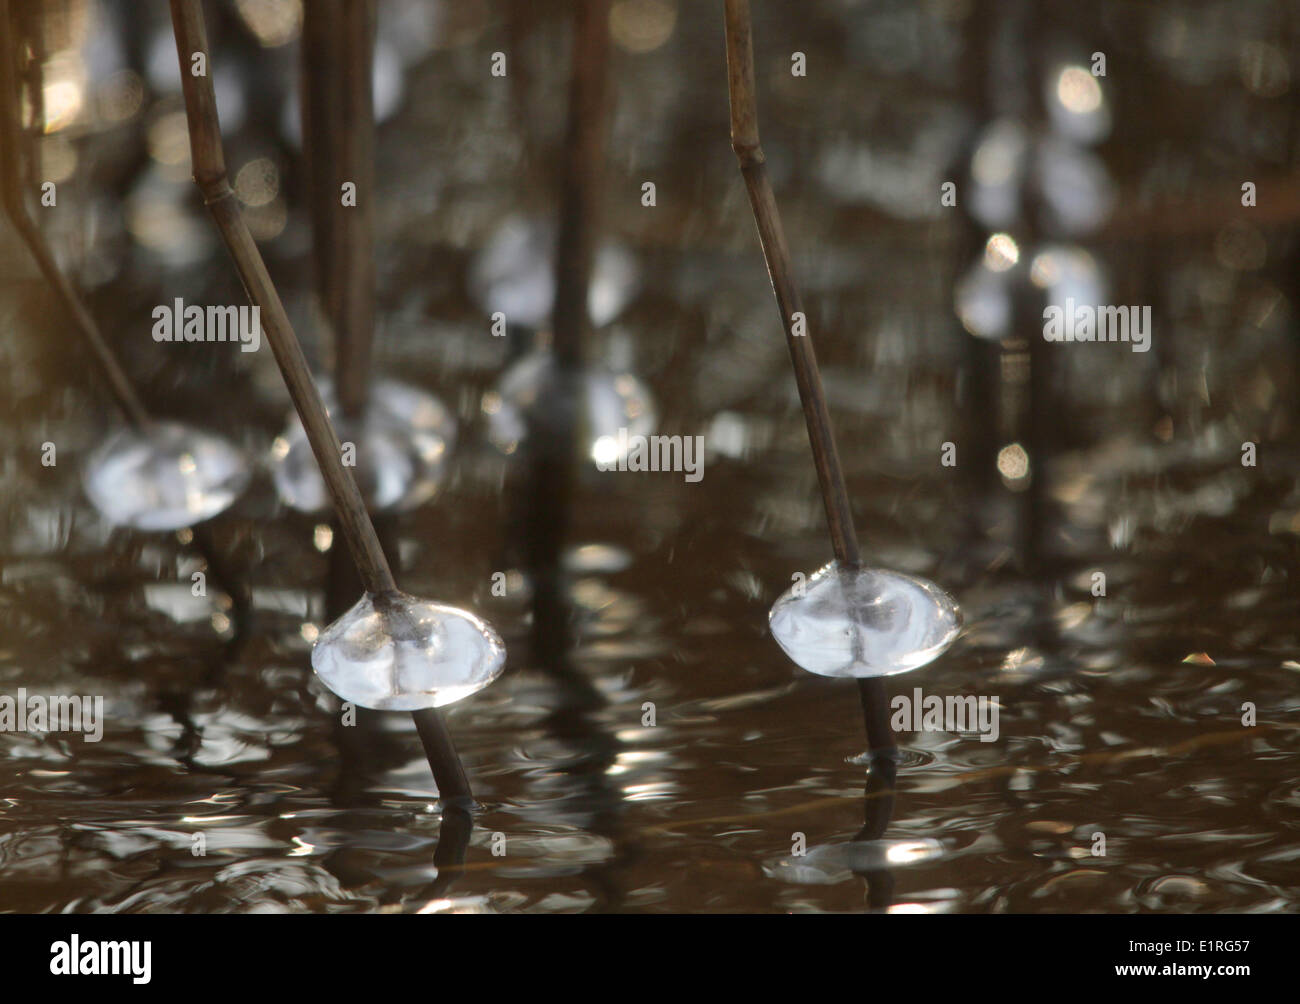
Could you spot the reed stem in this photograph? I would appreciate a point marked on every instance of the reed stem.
(584, 155)
(753, 167)
(882, 750)
(448, 771)
(339, 142)
(355, 326)
(821, 435)
(13, 179)
(320, 89)
(30, 27)
(209, 167)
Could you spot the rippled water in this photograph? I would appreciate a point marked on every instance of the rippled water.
(1120, 715)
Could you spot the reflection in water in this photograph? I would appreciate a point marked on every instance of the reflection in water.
(448, 856)
(867, 858)
(531, 398)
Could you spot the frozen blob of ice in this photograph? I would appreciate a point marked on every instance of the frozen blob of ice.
(514, 273)
(402, 444)
(998, 168)
(394, 652)
(1068, 273)
(1076, 105)
(982, 299)
(532, 397)
(1076, 187)
(864, 622)
(164, 476)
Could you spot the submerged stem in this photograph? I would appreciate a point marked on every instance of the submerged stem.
(440, 751)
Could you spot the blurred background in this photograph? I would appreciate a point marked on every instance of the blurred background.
(1120, 714)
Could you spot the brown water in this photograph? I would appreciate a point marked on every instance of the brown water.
(1119, 715)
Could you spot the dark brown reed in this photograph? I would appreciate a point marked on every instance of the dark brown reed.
(339, 143)
(580, 185)
(14, 179)
(753, 167)
(830, 476)
(208, 161)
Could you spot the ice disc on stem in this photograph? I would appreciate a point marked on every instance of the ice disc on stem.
(164, 476)
(395, 652)
(534, 397)
(864, 622)
(402, 444)
(515, 274)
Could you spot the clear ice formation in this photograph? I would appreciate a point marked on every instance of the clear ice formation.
(1076, 105)
(982, 297)
(396, 652)
(402, 445)
(1068, 272)
(1075, 186)
(514, 273)
(834, 863)
(1077, 191)
(164, 476)
(864, 622)
(526, 400)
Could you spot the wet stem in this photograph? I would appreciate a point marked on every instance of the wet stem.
(812, 398)
(339, 137)
(14, 176)
(208, 160)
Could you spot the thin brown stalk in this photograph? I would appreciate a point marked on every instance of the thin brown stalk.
(209, 166)
(584, 155)
(208, 161)
(339, 141)
(830, 476)
(355, 326)
(753, 167)
(320, 90)
(31, 17)
(13, 178)
(547, 489)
